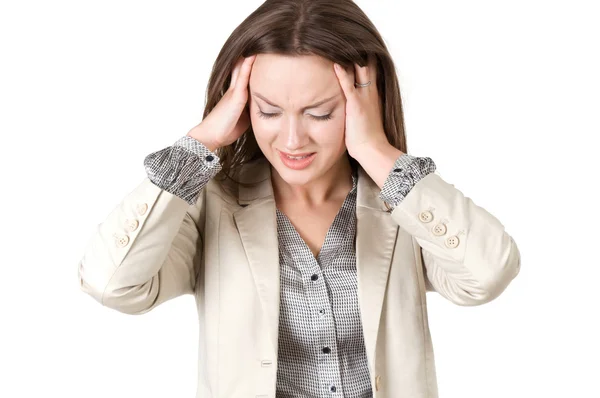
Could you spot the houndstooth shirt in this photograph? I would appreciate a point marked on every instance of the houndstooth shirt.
(321, 346)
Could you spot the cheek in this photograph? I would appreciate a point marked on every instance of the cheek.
(329, 133)
(264, 137)
(264, 131)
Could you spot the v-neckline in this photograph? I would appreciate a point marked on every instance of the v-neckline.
(326, 244)
(304, 246)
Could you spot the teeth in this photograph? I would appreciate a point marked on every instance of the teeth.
(296, 158)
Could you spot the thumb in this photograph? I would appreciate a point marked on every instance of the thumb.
(346, 80)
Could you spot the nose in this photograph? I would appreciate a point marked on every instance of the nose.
(297, 138)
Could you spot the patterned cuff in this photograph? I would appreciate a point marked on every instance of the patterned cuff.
(407, 171)
(183, 169)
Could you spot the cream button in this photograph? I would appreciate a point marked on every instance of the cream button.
(439, 229)
(425, 216)
(121, 240)
(141, 208)
(377, 381)
(131, 225)
(452, 241)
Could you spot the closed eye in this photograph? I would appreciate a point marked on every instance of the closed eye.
(271, 115)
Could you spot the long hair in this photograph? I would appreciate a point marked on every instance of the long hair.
(337, 30)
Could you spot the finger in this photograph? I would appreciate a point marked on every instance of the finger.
(373, 65)
(346, 80)
(362, 74)
(372, 70)
(244, 75)
(236, 72)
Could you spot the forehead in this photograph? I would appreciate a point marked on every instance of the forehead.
(297, 79)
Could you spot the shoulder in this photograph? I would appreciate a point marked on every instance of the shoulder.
(246, 182)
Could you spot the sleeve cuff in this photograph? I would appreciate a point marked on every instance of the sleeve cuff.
(183, 169)
(406, 172)
(199, 149)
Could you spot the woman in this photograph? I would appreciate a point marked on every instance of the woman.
(294, 214)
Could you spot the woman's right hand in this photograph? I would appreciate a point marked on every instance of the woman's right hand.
(228, 120)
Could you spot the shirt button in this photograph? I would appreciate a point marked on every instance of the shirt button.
(332, 388)
(425, 216)
(210, 158)
(121, 240)
(131, 225)
(326, 350)
(439, 229)
(141, 208)
(314, 277)
(452, 241)
(397, 170)
(321, 312)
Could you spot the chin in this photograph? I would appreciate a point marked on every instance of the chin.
(296, 177)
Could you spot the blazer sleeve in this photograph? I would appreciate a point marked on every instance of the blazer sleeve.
(149, 248)
(467, 255)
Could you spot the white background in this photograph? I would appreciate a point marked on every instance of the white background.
(504, 96)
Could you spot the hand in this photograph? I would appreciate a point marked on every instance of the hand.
(364, 122)
(230, 118)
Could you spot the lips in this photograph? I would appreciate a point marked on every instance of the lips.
(297, 155)
(297, 163)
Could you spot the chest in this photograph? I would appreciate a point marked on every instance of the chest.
(241, 265)
(312, 224)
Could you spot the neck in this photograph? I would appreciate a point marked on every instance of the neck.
(335, 183)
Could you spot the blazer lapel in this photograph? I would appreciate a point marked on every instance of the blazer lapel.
(257, 225)
(376, 233)
(375, 238)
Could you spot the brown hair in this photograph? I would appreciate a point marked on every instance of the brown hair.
(337, 30)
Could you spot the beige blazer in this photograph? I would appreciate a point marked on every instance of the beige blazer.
(154, 246)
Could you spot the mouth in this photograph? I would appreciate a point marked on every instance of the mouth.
(297, 155)
(297, 161)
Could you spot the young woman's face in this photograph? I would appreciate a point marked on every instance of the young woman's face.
(285, 89)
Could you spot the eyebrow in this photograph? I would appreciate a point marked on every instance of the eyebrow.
(316, 104)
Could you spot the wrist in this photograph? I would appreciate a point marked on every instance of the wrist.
(200, 135)
(377, 160)
(373, 150)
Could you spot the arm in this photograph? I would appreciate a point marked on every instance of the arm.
(148, 250)
(467, 255)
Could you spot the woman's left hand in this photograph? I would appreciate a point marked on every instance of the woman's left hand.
(364, 122)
